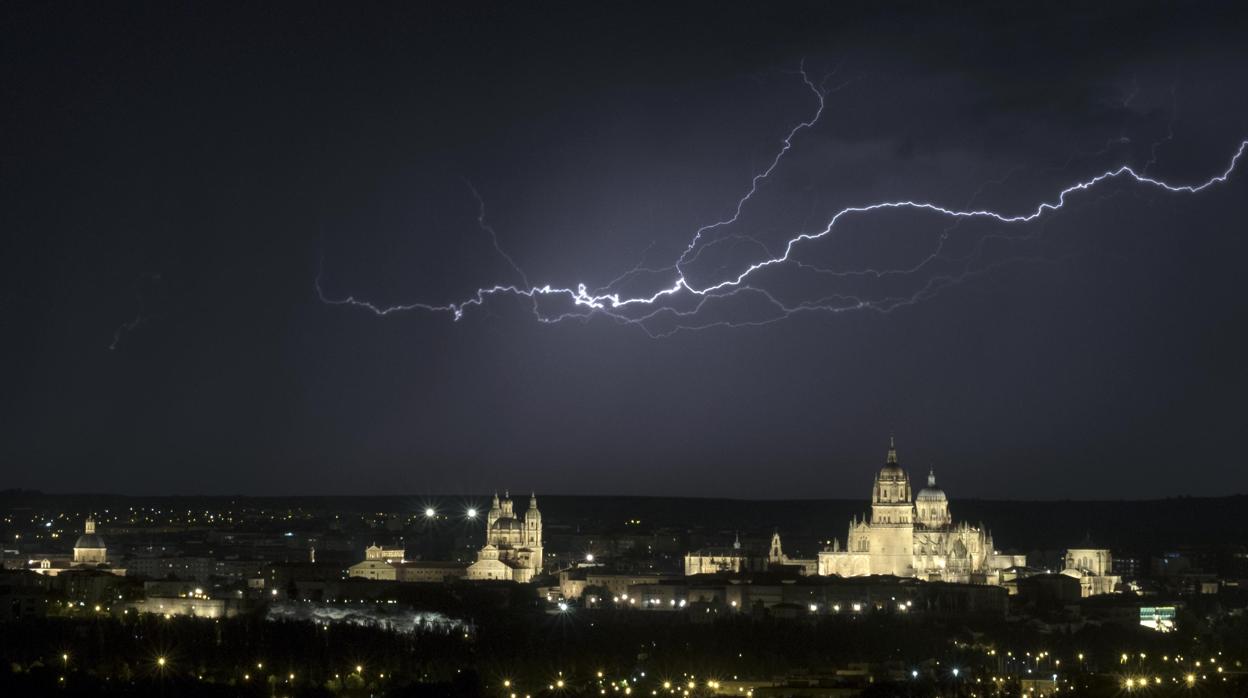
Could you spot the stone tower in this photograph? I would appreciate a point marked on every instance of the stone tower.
(892, 519)
(533, 532)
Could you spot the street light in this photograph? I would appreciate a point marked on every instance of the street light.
(472, 513)
(430, 512)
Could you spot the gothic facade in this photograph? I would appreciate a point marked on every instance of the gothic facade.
(910, 535)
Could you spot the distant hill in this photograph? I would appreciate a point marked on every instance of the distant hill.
(1142, 526)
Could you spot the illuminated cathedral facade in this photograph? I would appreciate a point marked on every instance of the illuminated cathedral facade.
(909, 535)
(513, 545)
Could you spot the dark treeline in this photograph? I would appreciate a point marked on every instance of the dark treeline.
(1016, 525)
(248, 655)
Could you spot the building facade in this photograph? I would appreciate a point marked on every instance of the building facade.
(90, 552)
(1094, 568)
(373, 569)
(388, 553)
(713, 560)
(513, 545)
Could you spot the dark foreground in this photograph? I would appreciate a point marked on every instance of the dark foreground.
(531, 652)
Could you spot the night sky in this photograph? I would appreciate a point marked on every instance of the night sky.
(176, 176)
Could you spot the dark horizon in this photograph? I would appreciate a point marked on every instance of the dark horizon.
(201, 200)
(1019, 526)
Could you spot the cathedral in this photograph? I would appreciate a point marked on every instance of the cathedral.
(513, 545)
(911, 535)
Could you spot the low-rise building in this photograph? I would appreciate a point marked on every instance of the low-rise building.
(430, 571)
(373, 569)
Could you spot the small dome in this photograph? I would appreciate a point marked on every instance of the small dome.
(891, 472)
(508, 524)
(931, 493)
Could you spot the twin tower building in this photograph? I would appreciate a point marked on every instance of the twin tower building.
(513, 545)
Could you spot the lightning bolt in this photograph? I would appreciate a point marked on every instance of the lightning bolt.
(680, 302)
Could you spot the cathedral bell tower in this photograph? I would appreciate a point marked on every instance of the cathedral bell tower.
(892, 519)
(533, 532)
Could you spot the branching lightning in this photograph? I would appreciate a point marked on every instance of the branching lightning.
(680, 303)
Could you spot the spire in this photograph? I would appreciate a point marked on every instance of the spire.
(892, 451)
(532, 499)
(931, 477)
(495, 499)
(736, 544)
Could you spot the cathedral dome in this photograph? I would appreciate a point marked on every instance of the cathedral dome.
(891, 472)
(89, 540)
(931, 493)
(508, 524)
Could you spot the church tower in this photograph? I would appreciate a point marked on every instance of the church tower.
(495, 512)
(533, 532)
(776, 554)
(892, 519)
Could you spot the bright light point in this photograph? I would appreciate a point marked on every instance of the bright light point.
(589, 557)
(430, 513)
(472, 513)
(563, 606)
(160, 661)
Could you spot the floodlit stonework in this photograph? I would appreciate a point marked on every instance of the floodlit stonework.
(90, 552)
(513, 546)
(914, 536)
(1093, 567)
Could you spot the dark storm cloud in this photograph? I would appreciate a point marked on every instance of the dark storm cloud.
(239, 150)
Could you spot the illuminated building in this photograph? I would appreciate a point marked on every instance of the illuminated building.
(513, 546)
(724, 559)
(373, 569)
(386, 553)
(914, 536)
(1093, 567)
(90, 548)
(90, 552)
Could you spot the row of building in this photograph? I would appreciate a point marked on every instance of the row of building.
(911, 536)
(513, 551)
